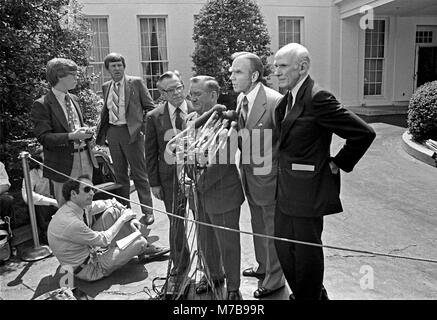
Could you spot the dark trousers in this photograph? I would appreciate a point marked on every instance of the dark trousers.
(6, 202)
(43, 216)
(303, 265)
(125, 156)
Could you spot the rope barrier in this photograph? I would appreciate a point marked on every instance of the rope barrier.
(373, 253)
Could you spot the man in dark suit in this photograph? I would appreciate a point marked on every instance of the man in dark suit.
(220, 195)
(127, 101)
(309, 178)
(59, 127)
(257, 109)
(162, 124)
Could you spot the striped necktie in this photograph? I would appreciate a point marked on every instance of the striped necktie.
(178, 119)
(114, 110)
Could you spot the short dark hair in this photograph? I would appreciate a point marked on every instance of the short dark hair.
(113, 57)
(59, 68)
(71, 185)
(211, 83)
(168, 75)
(255, 61)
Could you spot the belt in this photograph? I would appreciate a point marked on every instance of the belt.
(81, 149)
(81, 266)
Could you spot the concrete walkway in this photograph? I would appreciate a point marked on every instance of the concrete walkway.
(390, 206)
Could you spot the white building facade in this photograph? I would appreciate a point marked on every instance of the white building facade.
(367, 52)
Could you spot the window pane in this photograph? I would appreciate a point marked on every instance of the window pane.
(374, 50)
(289, 30)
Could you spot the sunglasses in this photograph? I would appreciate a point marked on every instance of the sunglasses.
(88, 189)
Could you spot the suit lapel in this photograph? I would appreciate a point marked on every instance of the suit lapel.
(164, 117)
(127, 91)
(57, 110)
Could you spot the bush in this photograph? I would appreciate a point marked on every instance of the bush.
(422, 113)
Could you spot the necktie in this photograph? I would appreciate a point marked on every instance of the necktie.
(245, 110)
(289, 103)
(70, 113)
(178, 119)
(115, 101)
(84, 218)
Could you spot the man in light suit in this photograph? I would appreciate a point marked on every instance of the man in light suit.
(162, 125)
(127, 101)
(309, 178)
(58, 125)
(220, 196)
(256, 121)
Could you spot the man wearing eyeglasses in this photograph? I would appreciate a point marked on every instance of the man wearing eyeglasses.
(59, 127)
(127, 100)
(83, 233)
(161, 125)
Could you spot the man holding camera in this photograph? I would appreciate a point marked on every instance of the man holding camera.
(59, 127)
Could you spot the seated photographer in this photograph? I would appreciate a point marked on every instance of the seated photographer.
(43, 200)
(83, 233)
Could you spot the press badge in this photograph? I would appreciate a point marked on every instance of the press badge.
(302, 167)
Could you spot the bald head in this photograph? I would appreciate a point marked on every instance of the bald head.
(292, 63)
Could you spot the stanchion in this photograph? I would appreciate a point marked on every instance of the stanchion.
(38, 252)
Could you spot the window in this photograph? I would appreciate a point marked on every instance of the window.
(154, 60)
(290, 30)
(99, 49)
(374, 58)
(423, 36)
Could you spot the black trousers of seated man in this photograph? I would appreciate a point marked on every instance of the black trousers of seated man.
(303, 265)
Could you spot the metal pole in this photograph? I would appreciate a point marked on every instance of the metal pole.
(38, 252)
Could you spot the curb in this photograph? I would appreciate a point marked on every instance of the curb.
(418, 151)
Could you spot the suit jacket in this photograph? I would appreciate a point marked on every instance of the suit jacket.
(51, 130)
(159, 131)
(259, 179)
(306, 185)
(137, 102)
(218, 186)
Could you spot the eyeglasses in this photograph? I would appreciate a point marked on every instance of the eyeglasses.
(88, 189)
(179, 88)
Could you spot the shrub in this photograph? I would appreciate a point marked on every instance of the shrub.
(422, 113)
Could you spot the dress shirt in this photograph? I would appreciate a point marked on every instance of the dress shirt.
(295, 90)
(251, 96)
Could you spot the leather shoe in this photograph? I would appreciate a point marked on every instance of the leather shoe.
(147, 219)
(234, 295)
(262, 292)
(152, 252)
(205, 286)
(250, 272)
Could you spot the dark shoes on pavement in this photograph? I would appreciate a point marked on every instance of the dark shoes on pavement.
(147, 219)
(250, 272)
(205, 286)
(262, 292)
(234, 295)
(152, 252)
